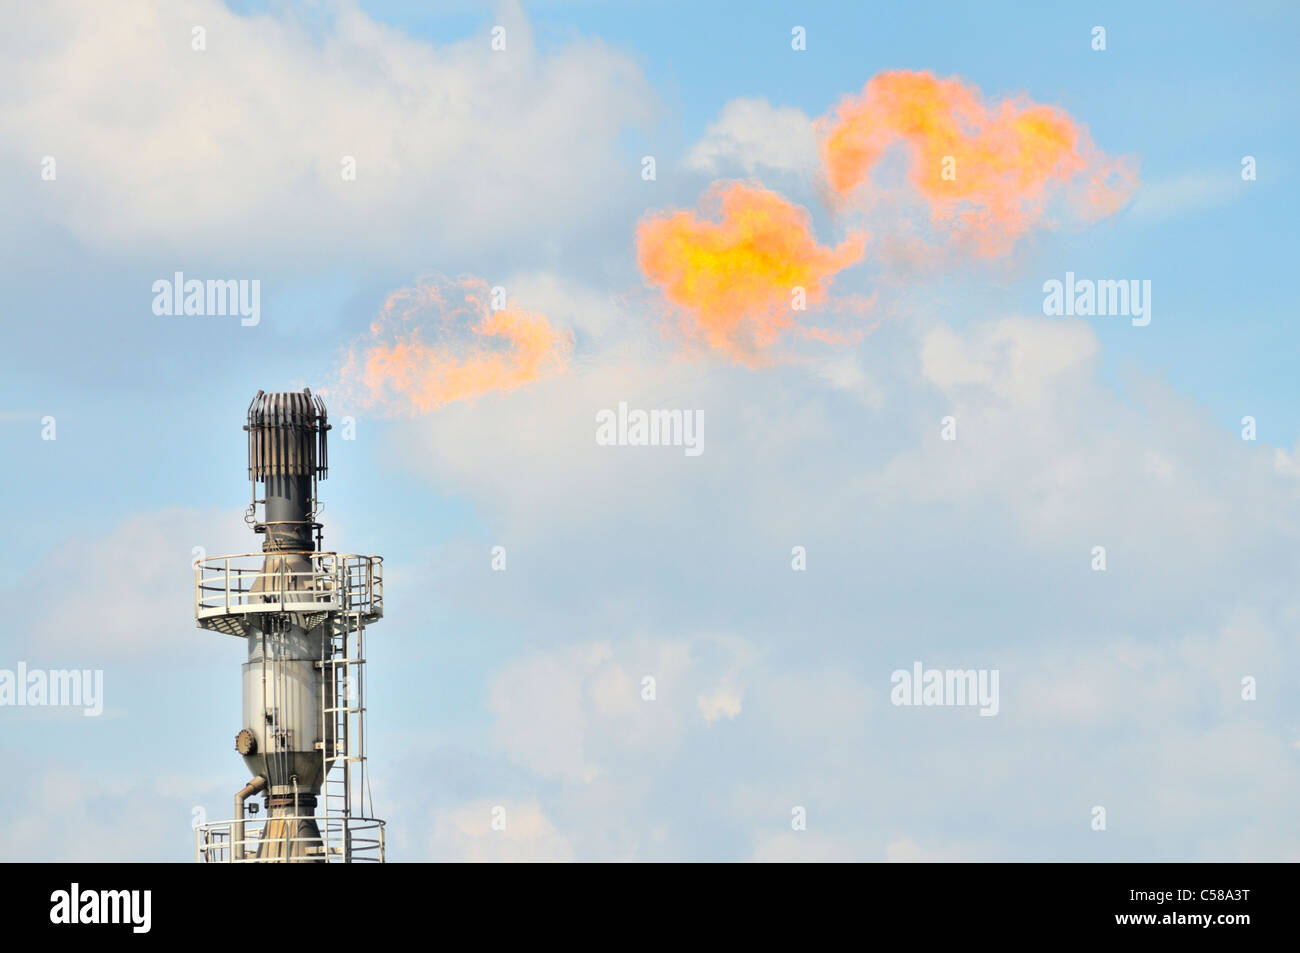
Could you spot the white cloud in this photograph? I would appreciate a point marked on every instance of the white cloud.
(605, 320)
(798, 847)
(751, 136)
(1287, 462)
(65, 813)
(1125, 680)
(127, 594)
(524, 834)
(236, 151)
(578, 712)
(920, 549)
(534, 449)
(905, 850)
(723, 702)
(1017, 359)
(1074, 461)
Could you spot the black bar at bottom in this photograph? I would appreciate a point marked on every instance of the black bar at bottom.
(927, 902)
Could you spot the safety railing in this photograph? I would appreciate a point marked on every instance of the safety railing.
(268, 840)
(310, 582)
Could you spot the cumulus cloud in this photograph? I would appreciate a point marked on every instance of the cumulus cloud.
(522, 834)
(244, 149)
(1015, 359)
(581, 711)
(934, 540)
(128, 593)
(751, 136)
(795, 847)
(63, 813)
(722, 702)
(1070, 458)
(906, 850)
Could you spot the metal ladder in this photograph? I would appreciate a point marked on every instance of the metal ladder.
(342, 703)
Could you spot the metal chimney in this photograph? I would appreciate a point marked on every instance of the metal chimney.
(303, 613)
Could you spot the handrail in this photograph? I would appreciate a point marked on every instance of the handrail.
(332, 581)
(215, 842)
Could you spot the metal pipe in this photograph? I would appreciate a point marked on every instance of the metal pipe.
(247, 791)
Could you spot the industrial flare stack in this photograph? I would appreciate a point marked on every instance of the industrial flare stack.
(303, 613)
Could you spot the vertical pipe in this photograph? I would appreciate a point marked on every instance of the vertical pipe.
(247, 791)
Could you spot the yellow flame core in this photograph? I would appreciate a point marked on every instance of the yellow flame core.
(441, 341)
(734, 279)
(986, 170)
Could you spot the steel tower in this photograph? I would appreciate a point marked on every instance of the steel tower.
(303, 613)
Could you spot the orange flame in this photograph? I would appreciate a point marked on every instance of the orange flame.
(735, 279)
(440, 341)
(987, 170)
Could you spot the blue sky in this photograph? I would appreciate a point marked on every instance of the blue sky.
(520, 687)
